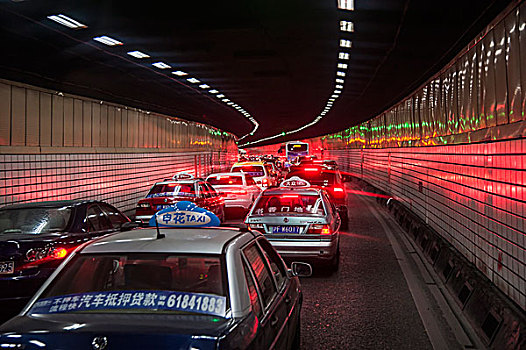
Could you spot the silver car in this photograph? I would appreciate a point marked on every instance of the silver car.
(300, 221)
(191, 288)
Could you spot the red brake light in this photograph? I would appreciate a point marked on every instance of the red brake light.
(237, 191)
(290, 196)
(338, 189)
(58, 253)
(312, 169)
(320, 229)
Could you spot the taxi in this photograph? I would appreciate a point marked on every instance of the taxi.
(179, 285)
(300, 221)
(261, 173)
(238, 189)
(182, 187)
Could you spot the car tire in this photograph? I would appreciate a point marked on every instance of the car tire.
(344, 216)
(335, 262)
(296, 342)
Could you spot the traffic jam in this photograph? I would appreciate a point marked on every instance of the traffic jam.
(205, 263)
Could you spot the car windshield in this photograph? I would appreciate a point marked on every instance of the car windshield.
(252, 170)
(34, 220)
(172, 190)
(315, 176)
(225, 180)
(137, 283)
(289, 204)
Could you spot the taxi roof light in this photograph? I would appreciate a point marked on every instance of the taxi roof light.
(182, 176)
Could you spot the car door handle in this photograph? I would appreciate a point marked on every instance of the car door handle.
(274, 321)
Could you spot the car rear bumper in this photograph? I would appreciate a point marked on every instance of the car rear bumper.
(22, 287)
(238, 203)
(311, 250)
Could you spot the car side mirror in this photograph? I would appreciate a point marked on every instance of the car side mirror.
(130, 225)
(301, 269)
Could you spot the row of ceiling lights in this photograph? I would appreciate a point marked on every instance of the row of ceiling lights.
(343, 58)
(106, 40)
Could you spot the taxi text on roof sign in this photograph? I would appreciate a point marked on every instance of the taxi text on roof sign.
(184, 214)
(295, 181)
(182, 176)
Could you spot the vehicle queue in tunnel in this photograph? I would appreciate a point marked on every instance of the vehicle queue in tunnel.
(78, 292)
(110, 110)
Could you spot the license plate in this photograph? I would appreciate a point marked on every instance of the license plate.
(7, 267)
(286, 229)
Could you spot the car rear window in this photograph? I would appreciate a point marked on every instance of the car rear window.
(225, 180)
(289, 204)
(138, 282)
(315, 176)
(172, 190)
(252, 170)
(34, 221)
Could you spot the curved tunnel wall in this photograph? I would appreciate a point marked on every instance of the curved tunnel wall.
(59, 146)
(454, 152)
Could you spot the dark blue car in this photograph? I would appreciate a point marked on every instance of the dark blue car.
(176, 288)
(36, 237)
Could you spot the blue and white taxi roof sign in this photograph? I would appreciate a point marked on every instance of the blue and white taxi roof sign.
(295, 181)
(184, 214)
(182, 176)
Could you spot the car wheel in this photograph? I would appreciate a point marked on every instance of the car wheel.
(344, 216)
(296, 342)
(335, 262)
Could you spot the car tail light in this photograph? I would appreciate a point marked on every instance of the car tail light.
(236, 192)
(312, 169)
(256, 226)
(338, 189)
(265, 182)
(143, 205)
(37, 256)
(319, 229)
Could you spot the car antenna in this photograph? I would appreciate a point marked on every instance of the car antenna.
(159, 234)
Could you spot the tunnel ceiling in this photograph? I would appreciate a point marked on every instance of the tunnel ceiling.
(275, 60)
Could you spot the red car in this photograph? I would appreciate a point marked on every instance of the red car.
(183, 187)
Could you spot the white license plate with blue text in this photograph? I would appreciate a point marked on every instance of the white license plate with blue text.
(286, 229)
(7, 267)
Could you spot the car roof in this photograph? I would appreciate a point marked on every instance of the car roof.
(184, 182)
(50, 204)
(248, 163)
(177, 240)
(296, 190)
(228, 174)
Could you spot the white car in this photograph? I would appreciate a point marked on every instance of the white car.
(238, 189)
(258, 171)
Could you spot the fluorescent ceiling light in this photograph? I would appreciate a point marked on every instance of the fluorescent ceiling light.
(340, 73)
(106, 40)
(220, 96)
(138, 54)
(346, 26)
(193, 80)
(345, 43)
(337, 91)
(180, 73)
(161, 65)
(332, 99)
(225, 100)
(341, 81)
(339, 86)
(335, 96)
(342, 65)
(343, 56)
(67, 21)
(230, 103)
(346, 5)
(204, 86)
(214, 91)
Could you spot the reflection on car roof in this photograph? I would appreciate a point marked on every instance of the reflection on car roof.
(296, 190)
(176, 240)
